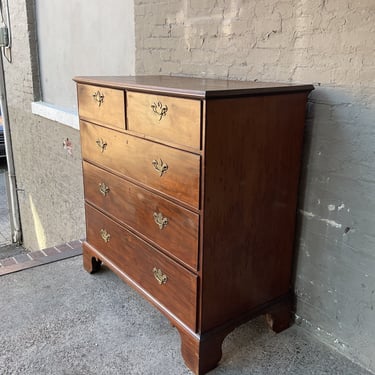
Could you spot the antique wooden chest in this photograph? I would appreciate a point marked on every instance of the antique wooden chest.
(191, 191)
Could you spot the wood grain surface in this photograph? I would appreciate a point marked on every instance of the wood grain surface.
(111, 112)
(137, 259)
(166, 118)
(135, 207)
(133, 158)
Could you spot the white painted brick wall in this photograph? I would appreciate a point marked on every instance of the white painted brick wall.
(327, 41)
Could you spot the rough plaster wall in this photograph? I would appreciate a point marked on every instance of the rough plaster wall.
(51, 196)
(329, 43)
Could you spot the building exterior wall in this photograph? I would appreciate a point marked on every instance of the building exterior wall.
(49, 177)
(328, 43)
(49, 180)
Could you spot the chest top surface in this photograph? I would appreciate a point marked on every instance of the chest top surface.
(192, 87)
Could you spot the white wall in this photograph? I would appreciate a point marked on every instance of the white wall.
(80, 37)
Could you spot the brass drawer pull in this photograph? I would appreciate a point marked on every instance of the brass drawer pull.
(160, 166)
(105, 235)
(101, 144)
(160, 220)
(103, 188)
(98, 97)
(160, 276)
(159, 109)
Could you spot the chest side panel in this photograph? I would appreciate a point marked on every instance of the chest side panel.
(251, 163)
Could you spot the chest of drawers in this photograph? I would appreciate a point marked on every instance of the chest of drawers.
(190, 195)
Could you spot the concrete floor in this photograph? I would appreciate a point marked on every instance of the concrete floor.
(58, 319)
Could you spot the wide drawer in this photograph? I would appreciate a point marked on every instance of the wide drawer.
(166, 118)
(171, 284)
(102, 105)
(170, 171)
(173, 228)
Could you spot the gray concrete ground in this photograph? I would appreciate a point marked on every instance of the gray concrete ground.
(58, 319)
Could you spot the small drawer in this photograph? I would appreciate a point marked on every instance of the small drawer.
(168, 282)
(102, 105)
(168, 170)
(169, 226)
(166, 118)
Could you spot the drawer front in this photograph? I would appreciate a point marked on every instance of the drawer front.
(170, 171)
(166, 118)
(173, 228)
(171, 284)
(102, 105)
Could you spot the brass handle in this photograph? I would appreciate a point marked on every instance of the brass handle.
(98, 97)
(101, 144)
(159, 109)
(105, 235)
(160, 220)
(160, 276)
(103, 188)
(160, 166)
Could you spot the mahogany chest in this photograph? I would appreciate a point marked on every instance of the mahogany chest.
(190, 196)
